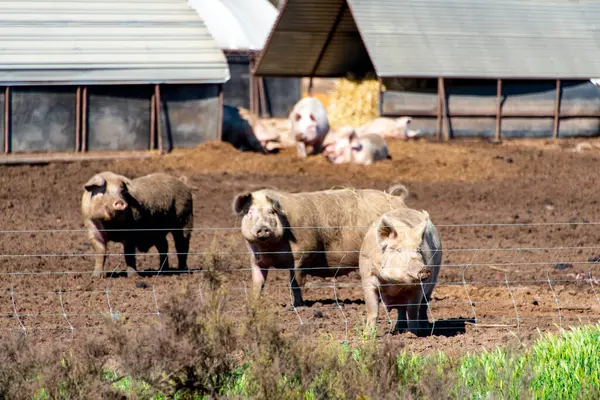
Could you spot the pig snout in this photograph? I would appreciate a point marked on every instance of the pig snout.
(119, 205)
(264, 233)
(112, 209)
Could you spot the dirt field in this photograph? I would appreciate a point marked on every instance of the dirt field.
(491, 273)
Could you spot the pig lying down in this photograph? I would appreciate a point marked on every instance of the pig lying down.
(312, 233)
(350, 148)
(393, 128)
(310, 125)
(155, 201)
(399, 263)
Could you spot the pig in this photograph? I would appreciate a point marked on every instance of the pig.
(389, 128)
(310, 125)
(399, 263)
(354, 149)
(118, 204)
(310, 233)
(246, 133)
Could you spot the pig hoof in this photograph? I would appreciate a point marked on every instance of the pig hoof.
(98, 274)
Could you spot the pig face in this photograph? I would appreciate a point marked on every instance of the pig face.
(346, 149)
(305, 127)
(262, 217)
(108, 192)
(401, 257)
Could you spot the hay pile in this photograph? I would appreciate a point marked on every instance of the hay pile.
(353, 102)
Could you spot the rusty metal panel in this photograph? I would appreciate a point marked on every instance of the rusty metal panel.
(189, 114)
(281, 96)
(481, 38)
(99, 42)
(433, 38)
(2, 100)
(42, 119)
(236, 92)
(118, 117)
(281, 93)
(535, 97)
(301, 33)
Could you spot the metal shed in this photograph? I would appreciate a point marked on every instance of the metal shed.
(441, 58)
(107, 75)
(241, 28)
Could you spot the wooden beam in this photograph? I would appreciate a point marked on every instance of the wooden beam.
(84, 135)
(7, 119)
(251, 85)
(445, 116)
(498, 109)
(263, 97)
(78, 119)
(556, 110)
(380, 108)
(220, 123)
(329, 37)
(158, 104)
(491, 114)
(152, 145)
(439, 110)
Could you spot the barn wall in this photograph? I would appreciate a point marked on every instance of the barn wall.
(118, 117)
(518, 97)
(42, 119)
(189, 114)
(281, 93)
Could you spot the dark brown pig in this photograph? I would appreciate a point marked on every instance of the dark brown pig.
(138, 213)
(314, 233)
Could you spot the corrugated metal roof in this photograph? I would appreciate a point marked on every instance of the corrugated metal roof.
(237, 24)
(450, 38)
(106, 41)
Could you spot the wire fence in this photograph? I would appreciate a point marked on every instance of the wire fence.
(482, 287)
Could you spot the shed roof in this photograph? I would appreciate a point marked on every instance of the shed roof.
(432, 38)
(106, 41)
(238, 25)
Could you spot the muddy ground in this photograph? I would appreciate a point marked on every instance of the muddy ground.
(511, 279)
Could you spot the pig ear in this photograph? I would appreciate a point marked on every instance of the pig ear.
(125, 184)
(274, 200)
(386, 231)
(95, 182)
(241, 203)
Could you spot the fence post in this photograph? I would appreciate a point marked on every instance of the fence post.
(498, 109)
(444, 106)
(556, 110)
(7, 111)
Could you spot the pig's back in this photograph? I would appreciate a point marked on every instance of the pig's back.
(162, 195)
(339, 220)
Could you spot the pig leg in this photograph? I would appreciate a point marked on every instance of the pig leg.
(162, 246)
(259, 276)
(129, 249)
(182, 246)
(414, 311)
(301, 149)
(372, 303)
(401, 323)
(99, 258)
(296, 287)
